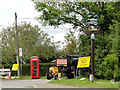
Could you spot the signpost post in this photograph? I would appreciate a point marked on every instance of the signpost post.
(92, 28)
(92, 54)
(20, 55)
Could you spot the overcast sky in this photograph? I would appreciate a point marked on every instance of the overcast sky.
(25, 9)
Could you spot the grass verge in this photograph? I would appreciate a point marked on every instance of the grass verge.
(86, 83)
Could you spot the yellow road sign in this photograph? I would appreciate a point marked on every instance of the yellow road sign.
(15, 67)
(83, 62)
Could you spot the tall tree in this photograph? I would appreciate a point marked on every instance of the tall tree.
(71, 43)
(32, 40)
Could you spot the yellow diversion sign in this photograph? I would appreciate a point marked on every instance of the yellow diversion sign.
(15, 67)
(83, 62)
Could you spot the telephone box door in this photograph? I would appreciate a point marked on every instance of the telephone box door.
(34, 67)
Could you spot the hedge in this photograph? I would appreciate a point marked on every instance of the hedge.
(43, 69)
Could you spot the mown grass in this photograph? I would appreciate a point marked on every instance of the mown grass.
(29, 77)
(86, 83)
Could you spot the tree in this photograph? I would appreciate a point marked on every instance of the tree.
(28, 36)
(71, 43)
(8, 45)
(32, 40)
(114, 37)
(55, 14)
(0, 47)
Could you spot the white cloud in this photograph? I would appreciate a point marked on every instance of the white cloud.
(25, 9)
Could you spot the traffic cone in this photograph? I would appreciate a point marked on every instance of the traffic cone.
(9, 77)
(2, 70)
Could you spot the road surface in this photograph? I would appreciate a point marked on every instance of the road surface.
(34, 83)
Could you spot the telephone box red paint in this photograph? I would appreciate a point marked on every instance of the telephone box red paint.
(34, 67)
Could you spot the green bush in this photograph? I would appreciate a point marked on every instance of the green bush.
(105, 68)
(108, 69)
(44, 67)
(111, 66)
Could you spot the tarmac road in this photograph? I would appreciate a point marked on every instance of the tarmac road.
(34, 83)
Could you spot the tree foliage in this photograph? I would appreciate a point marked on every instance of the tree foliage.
(32, 40)
(71, 43)
(106, 42)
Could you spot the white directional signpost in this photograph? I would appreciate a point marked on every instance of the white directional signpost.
(20, 52)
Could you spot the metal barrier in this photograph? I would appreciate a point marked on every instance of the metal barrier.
(4, 72)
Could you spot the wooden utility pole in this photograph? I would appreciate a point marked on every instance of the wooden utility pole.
(17, 47)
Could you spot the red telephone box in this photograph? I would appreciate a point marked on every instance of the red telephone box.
(34, 67)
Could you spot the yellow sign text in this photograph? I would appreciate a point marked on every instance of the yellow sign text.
(83, 62)
(15, 67)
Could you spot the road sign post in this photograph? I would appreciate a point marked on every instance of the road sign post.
(92, 28)
(92, 54)
(20, 55)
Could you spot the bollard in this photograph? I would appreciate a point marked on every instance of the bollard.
(59, 76)
(91, 78)
(2, 70)
(9, 77)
